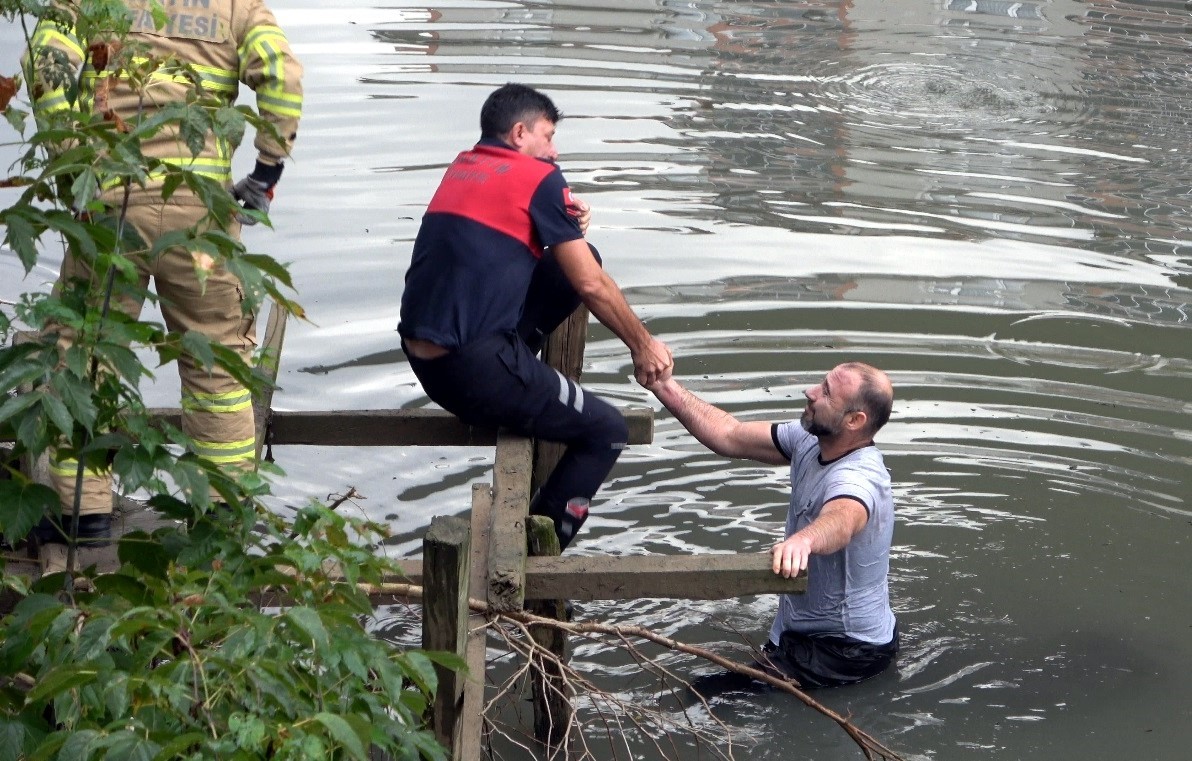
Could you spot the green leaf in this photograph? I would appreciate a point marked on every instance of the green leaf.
(78, 745)
(160, 16)
(21, 734)
(137, 466)
(12, 739)
(171, 507)
(199, 346)
(32, 623)
(428, 746)
(144, 554)
(230, 124)
(80, 235)
(192, 478)
(24, 504)
(249, 729)
(116, 694)
(177, 747)
(21, 373)
(31, 430)
(124, 587)
(16, 117)
(170, 184)
(20, 237)
(128, 745)
(269, 266)
(123, 359)
(85, 189)
(59, 415)
(194, 128)
(76, 395)
(93, 638)
(449, 661)
(353, 739)
(309, 622)
(355, 664)
(66, 677)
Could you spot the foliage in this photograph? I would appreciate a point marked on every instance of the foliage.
(172, 656)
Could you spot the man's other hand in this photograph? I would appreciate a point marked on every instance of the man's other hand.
(653, 364)
(582, 212)
(255, 192)
(790, 557)
(254, 196)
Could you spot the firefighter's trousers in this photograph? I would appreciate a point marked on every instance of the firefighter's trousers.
(217, 410)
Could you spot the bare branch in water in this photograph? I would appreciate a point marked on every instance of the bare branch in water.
(616, 713)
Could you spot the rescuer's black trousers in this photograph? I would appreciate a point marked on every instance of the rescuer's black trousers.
(499, 381)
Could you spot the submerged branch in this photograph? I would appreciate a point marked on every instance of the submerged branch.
(870, 746)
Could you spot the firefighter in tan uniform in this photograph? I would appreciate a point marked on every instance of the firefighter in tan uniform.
(227, 42)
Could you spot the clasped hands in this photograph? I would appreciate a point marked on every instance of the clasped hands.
(653, 364)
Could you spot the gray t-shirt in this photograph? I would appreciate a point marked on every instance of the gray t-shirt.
(847, 591)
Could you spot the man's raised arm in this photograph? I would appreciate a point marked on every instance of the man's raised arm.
(716, 429)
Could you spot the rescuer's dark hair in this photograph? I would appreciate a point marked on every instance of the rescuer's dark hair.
(513, 103)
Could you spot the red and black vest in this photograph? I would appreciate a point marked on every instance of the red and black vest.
(481, 237)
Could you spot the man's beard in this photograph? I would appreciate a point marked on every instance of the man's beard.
(815, 427)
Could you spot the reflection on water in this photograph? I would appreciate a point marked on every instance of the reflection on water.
(988, 199)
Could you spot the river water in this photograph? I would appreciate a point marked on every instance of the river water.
(990, 200)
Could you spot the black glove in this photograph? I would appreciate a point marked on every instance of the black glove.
(256, 190)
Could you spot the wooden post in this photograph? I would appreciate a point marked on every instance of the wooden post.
(267, 368)
(564, 351)
(469, 729)
(446, 552)
(552, 699)
(507, 543)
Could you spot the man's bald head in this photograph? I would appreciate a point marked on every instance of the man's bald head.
(874, 394)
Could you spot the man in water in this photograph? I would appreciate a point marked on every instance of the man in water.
(839, 525)
(500, 261)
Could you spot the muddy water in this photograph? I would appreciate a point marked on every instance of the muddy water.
(990, 200)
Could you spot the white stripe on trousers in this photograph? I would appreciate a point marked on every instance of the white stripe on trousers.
(566, 389)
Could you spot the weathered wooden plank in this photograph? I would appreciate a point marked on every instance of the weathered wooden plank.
(564, 351)
(691, 577)
(469, 730)
(600, 577)
(507, 541)
(469, 736)
(387, 428)
(390, 428)
(267, 368)
(551, 692)
(447, 549)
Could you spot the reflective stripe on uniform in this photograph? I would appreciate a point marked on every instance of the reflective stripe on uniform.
(48, 32)
(69, 468)
(211, 77)
(51, 36)
(54, 100)
(233, 401)
(223, 80)
(570, 393)
(217, 169)
(244, 450)
(282, 103)
(271, 94)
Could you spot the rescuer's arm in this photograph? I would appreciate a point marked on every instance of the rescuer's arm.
(652, 360)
